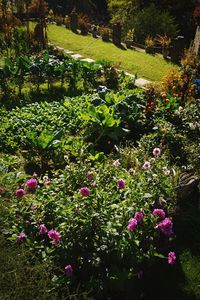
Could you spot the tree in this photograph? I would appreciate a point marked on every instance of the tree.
(153, 21)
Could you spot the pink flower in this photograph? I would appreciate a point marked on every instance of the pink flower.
(132, 224)
(159, 213)
(20, 192)
(121, 183)
(55, 236)
(31, 183)
(146, 165)
(43, 229)
(90, 175)
(69, 270)
(116, 163)
(171, 258)
(139, 216)
(85, 191)
(21, 237)
(165, 226)
(156, 151)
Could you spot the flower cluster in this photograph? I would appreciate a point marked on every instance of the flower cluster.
(21, 237)
(43, 229)
(31, 184)
(121, 184)
(171, 258)
(85, 191)
(133, 222)
(54, 236)
(69, 270)
(165, 226)
(159, 213)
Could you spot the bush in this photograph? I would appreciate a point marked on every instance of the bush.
(152, 21)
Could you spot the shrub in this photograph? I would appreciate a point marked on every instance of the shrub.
(152, 21)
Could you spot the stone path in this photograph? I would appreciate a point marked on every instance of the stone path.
(140, 82)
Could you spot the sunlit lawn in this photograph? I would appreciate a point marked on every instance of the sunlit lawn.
(145, 65)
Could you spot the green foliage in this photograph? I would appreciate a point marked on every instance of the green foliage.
(94, 235)
(152, 21)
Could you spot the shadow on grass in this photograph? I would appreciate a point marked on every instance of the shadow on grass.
(20, 279)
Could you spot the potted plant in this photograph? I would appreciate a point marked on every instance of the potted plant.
(83, 22)
(129, 38)
(67, 21)
(105, 34)
(149, 44)
(164, 41)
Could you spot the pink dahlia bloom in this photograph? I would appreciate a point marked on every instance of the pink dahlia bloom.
(132, 224)
(165, 226)
(85, 191)
(31, 184)
(43, 229)
(116, 163)
(146, 165)
(54, 236)
(139, 216)
(90, 175)
(159, 213)
(21, 237)
(156, 151)
(171, 258)
(20, 192)
(121, 183)
(69, 270)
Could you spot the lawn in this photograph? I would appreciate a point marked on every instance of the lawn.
(144, 65)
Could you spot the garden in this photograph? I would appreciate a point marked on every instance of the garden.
(99, 179)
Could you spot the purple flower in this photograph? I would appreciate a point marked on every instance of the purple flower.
(116, 163)
(156, 151)
(31, 183)
(20, 192)
(21, 237)
(146, 165)
(54, 236)
(139, 216)
(165, 226)
(69, 270)
(121, 184)
(132, 224)
(90, 175)
(85, 191)
(159, 213)
(43, 229)
(171, 258)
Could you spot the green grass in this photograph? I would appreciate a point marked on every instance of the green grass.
(145, 65)
(19, 279)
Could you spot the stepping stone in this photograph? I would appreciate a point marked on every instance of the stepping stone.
(89, 60)
(77, 56)
(141, 82)
(130, 75)
(68, 52)
(60, 48)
